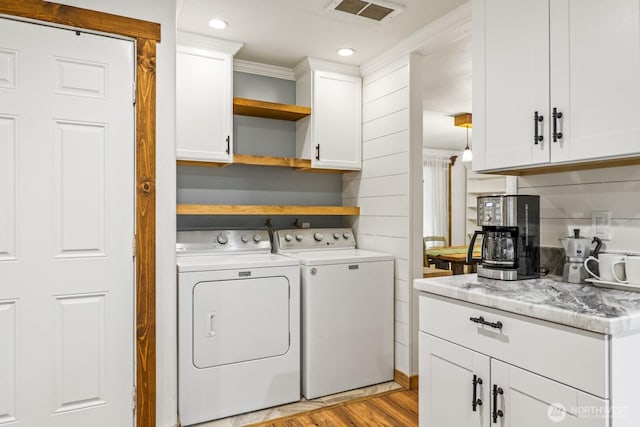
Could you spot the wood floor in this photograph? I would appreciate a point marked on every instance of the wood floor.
(396, 408)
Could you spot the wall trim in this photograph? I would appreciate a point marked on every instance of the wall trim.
(410, 383)
(259, 69)
(146, 34)
(443, 31)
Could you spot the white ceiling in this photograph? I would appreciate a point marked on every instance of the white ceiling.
(283, 32)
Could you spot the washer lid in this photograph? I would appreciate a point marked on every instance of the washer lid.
(350, 256)
(188, 263)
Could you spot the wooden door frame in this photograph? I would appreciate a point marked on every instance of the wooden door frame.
(146, 35)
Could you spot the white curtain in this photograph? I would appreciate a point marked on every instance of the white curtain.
(436, 184)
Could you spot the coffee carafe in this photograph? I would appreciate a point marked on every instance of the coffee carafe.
(577, 250)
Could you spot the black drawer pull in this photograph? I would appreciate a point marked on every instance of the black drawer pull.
(497, 413)
(480, 320)
(476, 402)
(557, 115)
(536, 136)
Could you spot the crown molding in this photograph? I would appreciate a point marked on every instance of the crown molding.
(322, 65)
(198, 40)
(448, 29)
(275, 71)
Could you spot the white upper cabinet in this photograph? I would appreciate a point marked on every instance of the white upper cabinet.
(510, 82)
(595, 65)
(332, 136)
(204, 98)
(555, 81)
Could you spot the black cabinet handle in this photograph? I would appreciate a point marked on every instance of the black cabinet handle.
(228, 144)
(318, 152)
(497, 413)
(556, 116)
(476, 402)
(480, 320)
(536, 137)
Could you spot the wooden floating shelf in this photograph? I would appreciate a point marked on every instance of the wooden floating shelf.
(266, 210)
(247, 159)
(269, 110)
(300, 165)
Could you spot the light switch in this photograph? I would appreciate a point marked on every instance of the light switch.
(601, 224)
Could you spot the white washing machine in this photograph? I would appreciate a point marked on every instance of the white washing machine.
(238, 324)
(347, 310)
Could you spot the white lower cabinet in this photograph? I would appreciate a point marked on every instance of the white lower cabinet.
(466, 381)
(447, 396)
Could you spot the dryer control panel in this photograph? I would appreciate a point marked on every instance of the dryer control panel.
(306, 239)
(197, 242)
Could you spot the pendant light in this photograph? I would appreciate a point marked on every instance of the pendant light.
(464, 120)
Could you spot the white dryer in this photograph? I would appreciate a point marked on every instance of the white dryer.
(238, 324)
(347, 310)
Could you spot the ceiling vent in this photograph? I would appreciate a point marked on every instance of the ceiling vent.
(378, 10)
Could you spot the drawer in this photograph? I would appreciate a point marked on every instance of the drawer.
(568, 355)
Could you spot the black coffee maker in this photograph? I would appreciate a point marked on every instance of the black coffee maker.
(511, 237)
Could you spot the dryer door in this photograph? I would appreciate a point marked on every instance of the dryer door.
(240, 320)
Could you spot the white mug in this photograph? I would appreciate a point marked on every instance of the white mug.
(606, 263)
(631, 269)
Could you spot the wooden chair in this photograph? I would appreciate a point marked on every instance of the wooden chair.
(429, 242)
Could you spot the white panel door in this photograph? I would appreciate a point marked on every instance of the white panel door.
(203, 105)
(595, 64)
(67, 146)
(337, 121)
(529, 400)
(447, 392)
(510, 83)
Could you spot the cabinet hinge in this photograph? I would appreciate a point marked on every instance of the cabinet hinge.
(135, 93)
(134, 397)
(135, 244)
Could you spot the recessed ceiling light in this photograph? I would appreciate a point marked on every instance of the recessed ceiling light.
(218, 24)
(346, 51)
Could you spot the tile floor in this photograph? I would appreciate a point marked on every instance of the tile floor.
(301, 406)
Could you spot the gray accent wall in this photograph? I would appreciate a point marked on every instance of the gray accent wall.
(258, 185)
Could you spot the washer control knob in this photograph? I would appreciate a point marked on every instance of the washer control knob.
(318, 236)
(244, 238)
(222, 239)
(288, 237)
(336, 236)
(346, 235)
(299, 237)
(257, 238)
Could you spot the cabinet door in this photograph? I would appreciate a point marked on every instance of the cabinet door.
(529, 400)
(595, 64)
(203, 105)
(446, 394)
(337, 121)
(510, 83)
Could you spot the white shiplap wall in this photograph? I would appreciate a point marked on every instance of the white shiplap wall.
(568, 198)
(385, 188)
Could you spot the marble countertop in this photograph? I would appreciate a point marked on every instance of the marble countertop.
(582, 306)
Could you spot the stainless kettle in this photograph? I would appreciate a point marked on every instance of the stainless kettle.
(579, 248)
